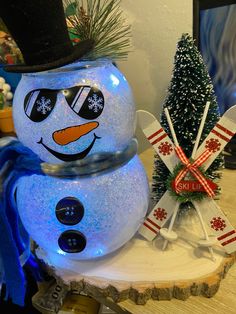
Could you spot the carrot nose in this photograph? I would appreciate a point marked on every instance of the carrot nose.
(73, 133)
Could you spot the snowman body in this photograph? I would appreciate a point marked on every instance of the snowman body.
(66, 115)
(85, 218)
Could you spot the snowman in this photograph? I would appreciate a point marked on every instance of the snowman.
(67, 110)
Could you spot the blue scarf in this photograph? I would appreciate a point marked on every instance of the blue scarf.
(16, 161)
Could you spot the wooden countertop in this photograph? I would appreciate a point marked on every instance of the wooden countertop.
(225, 299)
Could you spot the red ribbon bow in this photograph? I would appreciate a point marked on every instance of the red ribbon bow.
(193, 168)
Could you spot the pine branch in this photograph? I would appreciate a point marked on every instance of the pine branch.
(100, 20)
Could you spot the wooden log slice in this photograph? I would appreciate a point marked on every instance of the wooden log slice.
(140, 270)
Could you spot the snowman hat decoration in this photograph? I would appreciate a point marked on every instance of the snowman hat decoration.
(40, 31)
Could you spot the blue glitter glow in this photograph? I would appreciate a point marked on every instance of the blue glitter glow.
(114, 203)
(115, 80)
(59, 251)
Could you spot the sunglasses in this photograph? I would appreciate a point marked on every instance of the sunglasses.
(86, 101)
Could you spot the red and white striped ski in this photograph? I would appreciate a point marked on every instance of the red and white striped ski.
(216, 141)
(221, 134)
(158, 138)
(164, 147)
(219, 224)
(158, 217)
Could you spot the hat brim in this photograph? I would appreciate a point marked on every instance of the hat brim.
(79, 51)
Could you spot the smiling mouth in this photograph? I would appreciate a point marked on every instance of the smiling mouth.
(70, 157)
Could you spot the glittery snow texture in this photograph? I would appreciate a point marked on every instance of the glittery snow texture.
(114, 208)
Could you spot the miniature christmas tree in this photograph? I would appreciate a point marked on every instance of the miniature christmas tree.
(189, 90)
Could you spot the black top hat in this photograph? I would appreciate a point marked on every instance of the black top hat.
(40, 31)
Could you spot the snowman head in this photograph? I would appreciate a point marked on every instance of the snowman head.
(85, 101)
(66, 117)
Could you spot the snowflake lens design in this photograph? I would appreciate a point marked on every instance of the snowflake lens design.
(213, 145)
(95, 103)
(160, 214)
(43, 105)
(217, 223)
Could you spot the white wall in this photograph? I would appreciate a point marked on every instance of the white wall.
(156, 27)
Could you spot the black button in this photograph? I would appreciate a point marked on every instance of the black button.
(69, 211)
(72, 241)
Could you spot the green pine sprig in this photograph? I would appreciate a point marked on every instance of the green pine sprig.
(102, 21)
